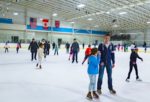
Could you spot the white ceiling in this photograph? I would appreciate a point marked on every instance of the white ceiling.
(103, 12)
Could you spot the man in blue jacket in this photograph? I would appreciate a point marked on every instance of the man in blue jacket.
(75, 50)
(107, 61)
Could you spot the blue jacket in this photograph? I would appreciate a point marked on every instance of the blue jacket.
(93, 66)
(107, 54)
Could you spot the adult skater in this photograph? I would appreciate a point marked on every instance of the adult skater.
(53, 45)
(145, 46)
(83, 45)
(67, 47)
(56, 49)
(93, 67)
(18, 47)
(133, 57)
(75, 50)
(33, 48)
(48, 47)
(107, 60)
(40, 55)
(6, 47)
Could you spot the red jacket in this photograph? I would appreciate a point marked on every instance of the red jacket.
(88, 51)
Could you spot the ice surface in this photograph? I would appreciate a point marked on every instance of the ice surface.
(61, 81)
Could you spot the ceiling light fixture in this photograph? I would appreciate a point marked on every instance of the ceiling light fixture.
(55, 14)
(123, 13)
(80, 6)
(15, 13)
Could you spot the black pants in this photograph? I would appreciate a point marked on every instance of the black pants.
(6, 50)
(75, 56)
(33, 55)
(130, 70)
(67, 50)
(17, 49)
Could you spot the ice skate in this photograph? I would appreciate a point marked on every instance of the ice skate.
(95, 95)
(99, 92)
(112, 91)
(127, 80)
(138, 79)
(89, 96)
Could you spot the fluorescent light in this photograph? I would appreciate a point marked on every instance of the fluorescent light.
(55, 14)
(80, 6)
(72, 22)
(122, 13)
(115, 26)
(89, 19)
(15, 13)
(148, 22)
(108, 12)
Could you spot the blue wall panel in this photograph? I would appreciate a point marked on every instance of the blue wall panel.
(6, 20)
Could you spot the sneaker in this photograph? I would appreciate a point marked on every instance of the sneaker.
(95, 95)
(138, 79)
(127, 80)
(99, 92)
(89, 96)
(112, 91)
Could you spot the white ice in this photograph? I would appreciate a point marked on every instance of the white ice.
(61, 81)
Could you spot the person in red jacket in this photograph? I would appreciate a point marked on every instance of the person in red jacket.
(87, 53)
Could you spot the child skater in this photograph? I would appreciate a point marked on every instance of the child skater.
(40, 55)
(93, 68)
(87, 53)
(133, 57)
(18, 47)
(71, 53)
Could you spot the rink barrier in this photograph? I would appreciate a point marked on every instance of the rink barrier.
(25, 46)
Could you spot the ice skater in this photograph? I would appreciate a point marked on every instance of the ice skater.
(33, 48)
(56, 49)
(145, 46)
(40, 52)
(6, 47)
(71, 54)
(107, 60)
(67, 47)
(133, 57)
(93, 68)
(87, 53)
(18, 47)
(75, 50)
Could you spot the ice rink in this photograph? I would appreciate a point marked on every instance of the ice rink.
(61, 81)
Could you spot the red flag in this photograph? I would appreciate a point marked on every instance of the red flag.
(57, 24)
(33, 22)
(45, 23)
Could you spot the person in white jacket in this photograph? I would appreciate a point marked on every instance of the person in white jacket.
(40, 55)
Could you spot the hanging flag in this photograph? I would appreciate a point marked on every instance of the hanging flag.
(45, 23)
(57, 24)
(33, 22)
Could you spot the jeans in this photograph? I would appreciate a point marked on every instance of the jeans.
(101, 74)
(92, 84)
(33, 55)
(75, 56)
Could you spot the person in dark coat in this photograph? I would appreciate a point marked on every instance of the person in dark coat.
(48, 47)
(53, 44)
(33, 48)
(145, 46)
(67, 47)
(75, 50)
(133, 59)
(107, 62)
(83, 45)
